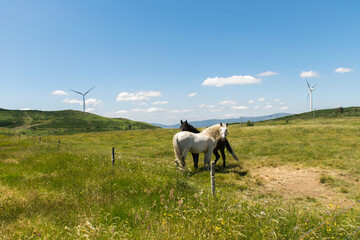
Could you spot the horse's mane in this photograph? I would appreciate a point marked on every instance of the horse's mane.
(212, 131)
(188, 127)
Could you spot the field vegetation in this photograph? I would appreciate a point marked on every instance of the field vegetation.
(33, 122)
(293, 176)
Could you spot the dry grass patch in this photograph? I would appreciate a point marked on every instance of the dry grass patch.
(322, 185)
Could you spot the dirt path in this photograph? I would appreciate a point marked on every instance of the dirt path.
(302, 183)
(27, 124)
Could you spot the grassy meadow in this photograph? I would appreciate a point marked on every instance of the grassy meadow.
(34, 122)
(74, 192)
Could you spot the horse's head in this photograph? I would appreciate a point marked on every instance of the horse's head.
(223, 131)
(183, 125)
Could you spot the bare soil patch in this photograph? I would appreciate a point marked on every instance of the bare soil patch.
(302, 182)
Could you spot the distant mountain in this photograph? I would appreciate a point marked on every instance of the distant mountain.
(63, 122)
(210, 122)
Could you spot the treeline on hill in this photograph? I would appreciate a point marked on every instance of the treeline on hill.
(62, 122)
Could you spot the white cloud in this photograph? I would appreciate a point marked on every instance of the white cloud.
(93, 102)
(268, 107)
(343, 70)
(216, 110)
(149, 110)
(267, 74)
(240, 108)
(88, 102)
(140, 103)
(229, 115)
(251, 101)
(89, 109)
(309, 74)
(122, 112)
(137, 96)
(284, 108)
(72, 101)
(25, 109)
(256, 107)
(192, 94)
(261, 99)
(59, 92)
(160, 102)
(181, 111)
(206, 106)
(234, 80)
(276, 100)
(227, 102)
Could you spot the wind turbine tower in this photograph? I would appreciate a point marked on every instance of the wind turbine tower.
(311, 89)
(83, 95)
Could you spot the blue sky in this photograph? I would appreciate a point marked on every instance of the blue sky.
(162, 61)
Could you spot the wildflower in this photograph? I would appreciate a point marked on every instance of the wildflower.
(148, 227)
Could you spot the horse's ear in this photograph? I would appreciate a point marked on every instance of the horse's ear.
(220, 124)
(181, 121)
(227, 124)
(185, 121)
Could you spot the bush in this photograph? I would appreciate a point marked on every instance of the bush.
(249, 123)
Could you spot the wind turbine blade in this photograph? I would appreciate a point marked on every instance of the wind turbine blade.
(314, 86)
(77, 92)
(307, 83)
(89, 90)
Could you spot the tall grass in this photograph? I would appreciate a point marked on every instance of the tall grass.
(74, 192)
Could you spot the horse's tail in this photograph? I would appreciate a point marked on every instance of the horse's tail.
(227, 144)
(178, 153)
(176, 147)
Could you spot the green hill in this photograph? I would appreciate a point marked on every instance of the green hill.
(62, 122)
(319, 115)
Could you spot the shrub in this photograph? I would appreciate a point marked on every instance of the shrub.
(249, 123)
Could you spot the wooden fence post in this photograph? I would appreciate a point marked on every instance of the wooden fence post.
(113, 156)
(212, 177)
(58, 145)
(39, 140)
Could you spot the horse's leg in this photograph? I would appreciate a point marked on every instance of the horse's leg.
(207, 159)
(182, 159)
(195, 160)
(222, 150)
(217, 155)
(227, 144)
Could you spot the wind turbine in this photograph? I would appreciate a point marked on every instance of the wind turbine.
(311, 89)
(83, 94)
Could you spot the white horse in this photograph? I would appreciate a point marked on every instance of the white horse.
(203, 142)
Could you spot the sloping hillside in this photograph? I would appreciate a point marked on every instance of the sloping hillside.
(63, 122)
(325, 114)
